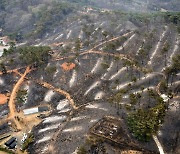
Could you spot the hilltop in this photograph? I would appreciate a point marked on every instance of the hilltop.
(83, 78)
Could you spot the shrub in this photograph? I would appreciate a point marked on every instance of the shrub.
(29, 140)
(144, 123)
(34, 55)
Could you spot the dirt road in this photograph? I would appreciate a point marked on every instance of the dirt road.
(11, 71)
(11, 103)
(60, 91)
(113, 39)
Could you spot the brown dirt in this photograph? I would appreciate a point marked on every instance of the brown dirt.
(68, 66)
(11, 103)
(131, 152)
(66, 94)
(57, 44)
(3, 99)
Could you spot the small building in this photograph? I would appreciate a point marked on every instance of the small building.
(31, 111)
(43, 108)
(10, 141)
(13, 145)
(36, 110)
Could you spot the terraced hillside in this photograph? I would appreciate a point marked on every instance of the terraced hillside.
(100, 63)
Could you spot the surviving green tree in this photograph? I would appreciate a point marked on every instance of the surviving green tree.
(34, 55)
(144, 123)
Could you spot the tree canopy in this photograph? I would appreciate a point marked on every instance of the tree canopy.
(144, 123)
(34, 55)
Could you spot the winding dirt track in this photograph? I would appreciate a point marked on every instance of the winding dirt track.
(60, 91)
(11, 103)
(67, 95)
(96, 46)
(93, 51)
(49, 86)
(11, 71)
(113, 39)
(122, 56)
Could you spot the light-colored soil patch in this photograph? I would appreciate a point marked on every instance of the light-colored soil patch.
(157, 46)
(44, 139)
(62, 104)
(49, 128)
(73, 129)
(99, 95)
(110, 67)
(126, 43)
(73, 79)
(96, 106)
(97, 66)
(59, 36)
(118, 73)
(54, 119)
(65, 110)
(78, 118)
(131, 152)
(123, 85)
(94, 85)
(49, 96)
(69, 34)
(1, 81)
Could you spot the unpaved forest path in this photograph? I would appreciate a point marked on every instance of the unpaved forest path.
(96, 46)
(121, 56)
(49, 86)
(11, 71)
(60, 91)
(118, 55)
(113, 39)
(11, 103)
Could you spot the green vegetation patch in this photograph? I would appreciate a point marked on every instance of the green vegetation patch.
(47, 17)
(6, 150)
(144, 123)
(34, 55)
(21, 96)
(82, 150)
(175, 67)
(50, 69)
(28, 141)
